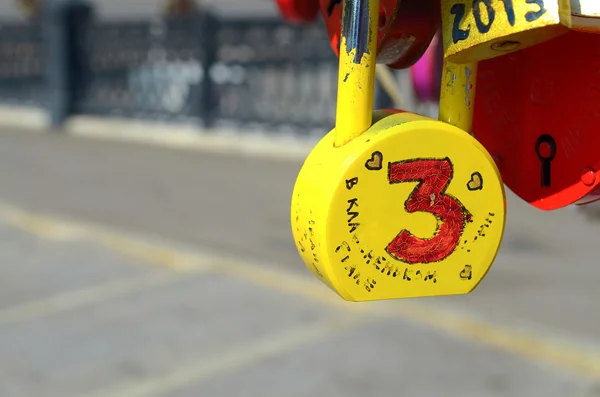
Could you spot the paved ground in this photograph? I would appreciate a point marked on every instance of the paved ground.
(85, 312)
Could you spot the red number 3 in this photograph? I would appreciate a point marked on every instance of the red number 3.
(429, 196)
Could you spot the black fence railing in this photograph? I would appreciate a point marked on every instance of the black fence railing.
(193, 69)
(22, 79)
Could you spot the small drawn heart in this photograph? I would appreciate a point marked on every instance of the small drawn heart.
(375, 163)
(466, 273)
(476, 182)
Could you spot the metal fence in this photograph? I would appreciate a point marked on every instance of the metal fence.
(22, 64)
(191, 69)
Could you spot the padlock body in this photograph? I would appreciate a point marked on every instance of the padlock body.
(475, 30)
(537, 113)
(412, 207)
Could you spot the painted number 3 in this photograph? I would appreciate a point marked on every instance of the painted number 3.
(459, 11)
(429, 196)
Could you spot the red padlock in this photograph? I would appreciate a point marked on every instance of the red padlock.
(298, 11)
(406, 27)
(537, 113)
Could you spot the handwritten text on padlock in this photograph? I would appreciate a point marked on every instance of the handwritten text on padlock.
(460, 12)
(474, 30)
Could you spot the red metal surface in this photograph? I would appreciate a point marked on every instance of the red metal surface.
(406, 27)
(298, 11)
(537, 113)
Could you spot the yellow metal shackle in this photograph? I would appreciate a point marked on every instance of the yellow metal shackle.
(356, 77)
(457, 94)
(356, 74)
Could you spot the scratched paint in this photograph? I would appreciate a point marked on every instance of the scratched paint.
(356, 74)
(355, 28)
(457, 94)
(468, 86)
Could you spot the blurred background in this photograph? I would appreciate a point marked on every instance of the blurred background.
(163, 265)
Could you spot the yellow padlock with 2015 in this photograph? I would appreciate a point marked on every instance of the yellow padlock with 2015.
(475, 30)
(392, 204)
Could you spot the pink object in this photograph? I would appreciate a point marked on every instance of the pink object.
(426, 74)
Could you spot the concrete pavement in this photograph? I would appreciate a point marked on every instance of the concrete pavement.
(87, 312)
(83, 313)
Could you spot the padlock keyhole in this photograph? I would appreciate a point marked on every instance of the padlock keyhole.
(545, 148)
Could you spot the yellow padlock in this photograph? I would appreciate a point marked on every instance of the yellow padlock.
(475, 30)
(393, 204)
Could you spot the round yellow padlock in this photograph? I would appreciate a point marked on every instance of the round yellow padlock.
(412, 207)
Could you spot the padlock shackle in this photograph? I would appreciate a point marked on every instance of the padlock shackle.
(356, 72)
(457, 94)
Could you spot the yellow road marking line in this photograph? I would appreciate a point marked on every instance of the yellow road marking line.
(38, 226)
(222, 363)
(49, 228)
(84, 297)
(575, 359)
(136, 248)
(538, 348)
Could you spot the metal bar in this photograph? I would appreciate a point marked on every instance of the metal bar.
(57, 78)
(356, 73)
(457, 96)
